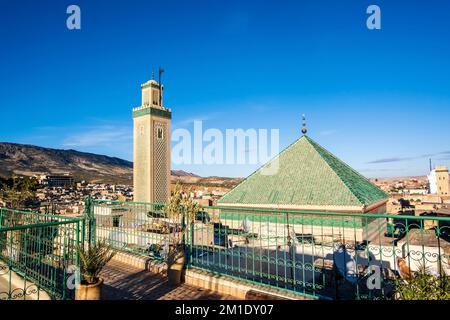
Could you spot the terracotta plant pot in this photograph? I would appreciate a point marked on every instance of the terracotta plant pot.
(174, 274)
(89, 291)
(175, 271)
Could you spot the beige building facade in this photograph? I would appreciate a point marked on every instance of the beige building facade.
(442, 180)
(151, 146)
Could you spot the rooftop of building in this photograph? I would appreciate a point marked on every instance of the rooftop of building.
(420, 237)
(308, 176)
(441, 169)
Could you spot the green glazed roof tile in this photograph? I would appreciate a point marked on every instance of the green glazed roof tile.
(307, 175)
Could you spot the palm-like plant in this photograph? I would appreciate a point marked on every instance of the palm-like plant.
(178, 205)
(422, 285)
(93, 259)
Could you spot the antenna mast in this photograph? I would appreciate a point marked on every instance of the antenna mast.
(160, 72)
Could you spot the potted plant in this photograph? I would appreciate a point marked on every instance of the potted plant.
(179, 204)
(423, 285)
(92, 261)
(175, 263)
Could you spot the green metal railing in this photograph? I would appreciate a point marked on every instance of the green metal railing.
(319, 254)
(37, 255)
(134, 227)
(328, 254)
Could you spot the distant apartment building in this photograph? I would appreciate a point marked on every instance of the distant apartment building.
(432, 183)
(61, 181)
(438, 181)
(416, 191)
(443, 186)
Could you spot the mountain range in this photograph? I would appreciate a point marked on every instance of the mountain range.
(29, 160)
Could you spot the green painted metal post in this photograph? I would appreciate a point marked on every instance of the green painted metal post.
(77, 240)
(191, 242)
(88, 216)
(183, 227)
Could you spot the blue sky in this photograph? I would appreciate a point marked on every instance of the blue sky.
(379, 100)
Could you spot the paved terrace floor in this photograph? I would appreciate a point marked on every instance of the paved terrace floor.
(127, 282)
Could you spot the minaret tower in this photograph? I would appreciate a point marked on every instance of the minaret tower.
(151, 145)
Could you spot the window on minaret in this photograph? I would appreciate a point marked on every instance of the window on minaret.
(160, 133)
(146, 98)
(155, 97)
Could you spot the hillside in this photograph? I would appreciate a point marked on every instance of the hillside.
(31, 160)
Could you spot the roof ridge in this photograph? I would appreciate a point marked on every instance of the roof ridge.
(263, 166)
(321, 150)
(313, 174)
(316, 146)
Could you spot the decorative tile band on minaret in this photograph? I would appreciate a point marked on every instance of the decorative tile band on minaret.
(151, 145)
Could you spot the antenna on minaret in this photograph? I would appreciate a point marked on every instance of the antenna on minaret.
(153, 75)
(431, 167)
(304, 129)
(160, 72)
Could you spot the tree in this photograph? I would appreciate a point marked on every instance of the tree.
(179, 204)
(16, 191)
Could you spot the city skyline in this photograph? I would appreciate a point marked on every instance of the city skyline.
(379, 100)
(226, 151)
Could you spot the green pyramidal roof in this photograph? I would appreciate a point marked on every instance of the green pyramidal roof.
(307, 175)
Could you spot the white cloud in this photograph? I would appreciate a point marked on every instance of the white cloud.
(203, 117)
(98, 136)
(328, 132)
